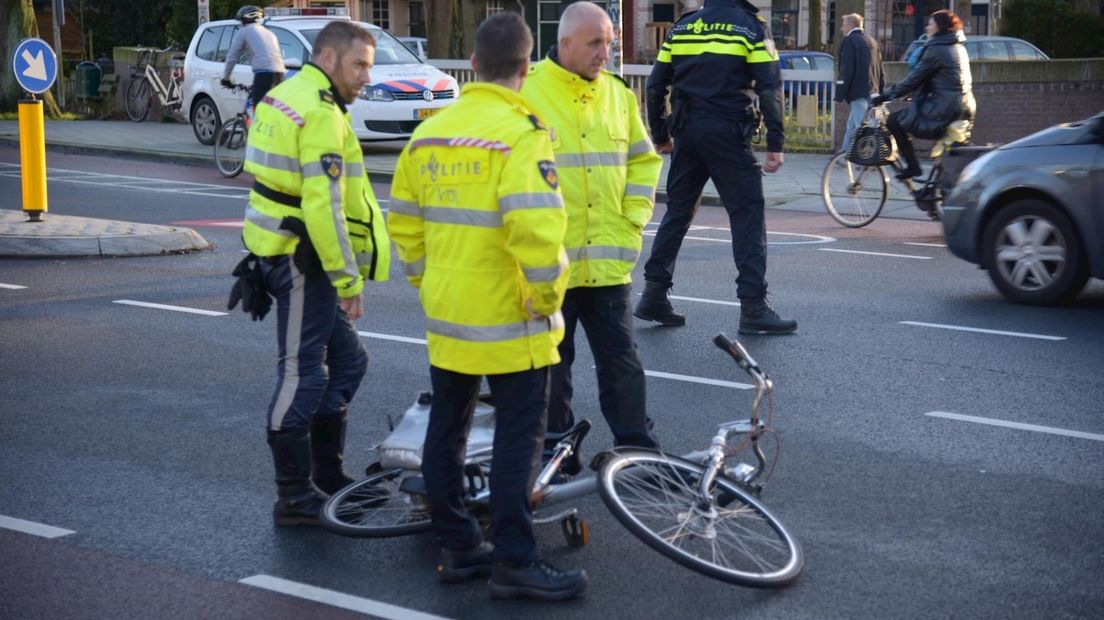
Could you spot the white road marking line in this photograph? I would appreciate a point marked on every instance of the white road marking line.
(379, 336)
(814, 238)
(143, 304)
(702, 380)
(705, 301)
(11, 286)
(132, 182)
(1018, 425)
(334, 598)
(927, 245)
(650, 373)
(875, 253)
(982, 331)
(30, 527)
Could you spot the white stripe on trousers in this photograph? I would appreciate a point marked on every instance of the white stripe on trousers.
(289, 383)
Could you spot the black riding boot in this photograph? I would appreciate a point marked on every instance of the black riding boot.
(757, 317)
(327, 441)
(654, 305)
(299, 501)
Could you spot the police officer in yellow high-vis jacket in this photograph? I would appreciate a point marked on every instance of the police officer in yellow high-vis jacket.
(479, 223)
(608, 173)
(313, 220)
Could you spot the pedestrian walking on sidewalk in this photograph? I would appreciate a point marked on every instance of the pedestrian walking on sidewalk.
(710, 60)
(860, 73)
(261, 47)
(608, 172)
(319, 232)
(479, 224)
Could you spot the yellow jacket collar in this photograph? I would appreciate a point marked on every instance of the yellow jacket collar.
(583, 87)
(317, 77)
(494, 90)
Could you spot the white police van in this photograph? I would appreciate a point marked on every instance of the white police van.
(403, 91)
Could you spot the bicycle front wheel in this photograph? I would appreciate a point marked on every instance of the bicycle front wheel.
(139, 95)
(736, 540)
(377, 507)
(853, 194)
(230, 148)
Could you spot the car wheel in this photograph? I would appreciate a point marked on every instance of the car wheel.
(205, 120)
(1033, 254)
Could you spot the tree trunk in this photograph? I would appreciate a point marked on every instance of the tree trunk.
(17, 18)
(816, 24)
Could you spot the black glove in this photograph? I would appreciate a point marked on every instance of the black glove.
(249, 289)
(226, 83)
(877, 100)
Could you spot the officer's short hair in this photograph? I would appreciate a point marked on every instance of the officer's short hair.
(339, 36)
(502, 46)
(854, 19)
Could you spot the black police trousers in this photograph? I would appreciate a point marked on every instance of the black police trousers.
(606, 315)
(322, 359)
(717, 149)
(521, 403)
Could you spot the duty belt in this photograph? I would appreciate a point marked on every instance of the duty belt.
(276, 195)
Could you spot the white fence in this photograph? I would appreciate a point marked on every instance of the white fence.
(808, 107)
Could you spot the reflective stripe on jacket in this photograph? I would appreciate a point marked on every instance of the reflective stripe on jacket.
(607, 167)
(479, 223)
(301, 144)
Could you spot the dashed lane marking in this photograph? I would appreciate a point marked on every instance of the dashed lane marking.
(12, 287)
(144, 304)
(405, 339)
(1017, 425)
(30, 527)
(334, 598)
(81, 177)
(982, 331)
(875, 253)
(926, 245)
(808, 239)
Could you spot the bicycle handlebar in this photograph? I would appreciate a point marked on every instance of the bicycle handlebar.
(736, 350)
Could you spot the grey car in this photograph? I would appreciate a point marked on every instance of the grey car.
(1032, 213)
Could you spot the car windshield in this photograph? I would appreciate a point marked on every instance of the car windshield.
(388, 49)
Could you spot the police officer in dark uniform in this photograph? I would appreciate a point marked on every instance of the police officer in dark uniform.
(712, 60)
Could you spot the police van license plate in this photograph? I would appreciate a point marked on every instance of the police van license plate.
(425, 113)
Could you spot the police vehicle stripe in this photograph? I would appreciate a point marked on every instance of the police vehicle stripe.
(535, 200)
(494, 333)
(601, 252)
(465, 217)
(578, 160)
(266, 222)
(271, 160)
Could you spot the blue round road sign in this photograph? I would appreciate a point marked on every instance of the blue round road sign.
(35, 65)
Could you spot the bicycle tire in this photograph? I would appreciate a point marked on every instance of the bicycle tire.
(355, 510)
(139, 97)
(230, 148)
(741, 542)
(854, 195)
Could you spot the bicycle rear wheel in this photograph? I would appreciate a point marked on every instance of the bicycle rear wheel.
(377, 507)
(853, 194)
(230, 148)
(139, 96)
(741, 542)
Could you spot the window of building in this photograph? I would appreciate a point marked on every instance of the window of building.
(417, 19)
(663, 12)
(784, 23)
(381, 13)
(493, 7)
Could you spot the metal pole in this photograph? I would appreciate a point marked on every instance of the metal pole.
(32, 157)
(613, 8)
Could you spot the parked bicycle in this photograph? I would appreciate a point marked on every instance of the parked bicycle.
(855, 194)
(231, 137)
(701, 510)
(145, 81)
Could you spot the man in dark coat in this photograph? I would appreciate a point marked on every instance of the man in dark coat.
(944, 89)
(860, 73)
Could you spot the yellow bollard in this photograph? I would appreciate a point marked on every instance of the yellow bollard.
(32, 157)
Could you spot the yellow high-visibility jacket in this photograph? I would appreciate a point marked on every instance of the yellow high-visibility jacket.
(479, 224)
(307, 163)
(607, 166)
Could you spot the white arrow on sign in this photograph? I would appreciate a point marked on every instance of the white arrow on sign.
(36, 66)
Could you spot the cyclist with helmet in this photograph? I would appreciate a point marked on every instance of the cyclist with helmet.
(263, 49)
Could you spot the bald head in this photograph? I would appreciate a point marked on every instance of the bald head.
(585, 35)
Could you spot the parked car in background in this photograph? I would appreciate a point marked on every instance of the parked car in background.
(800, 61)
(1031, 212)
(418, 45)
(403, 92)
(986, 48)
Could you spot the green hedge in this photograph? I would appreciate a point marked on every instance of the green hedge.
(1055, 27)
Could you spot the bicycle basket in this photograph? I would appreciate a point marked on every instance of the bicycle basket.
(872, 145)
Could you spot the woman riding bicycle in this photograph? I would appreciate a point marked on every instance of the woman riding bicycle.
(942, 77)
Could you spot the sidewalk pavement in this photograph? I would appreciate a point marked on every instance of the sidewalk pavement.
(796, 186)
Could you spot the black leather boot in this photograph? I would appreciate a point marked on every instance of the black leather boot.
(654, 305)
(327, 441)
(757, 317)
(299, 501)
(539, 580)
